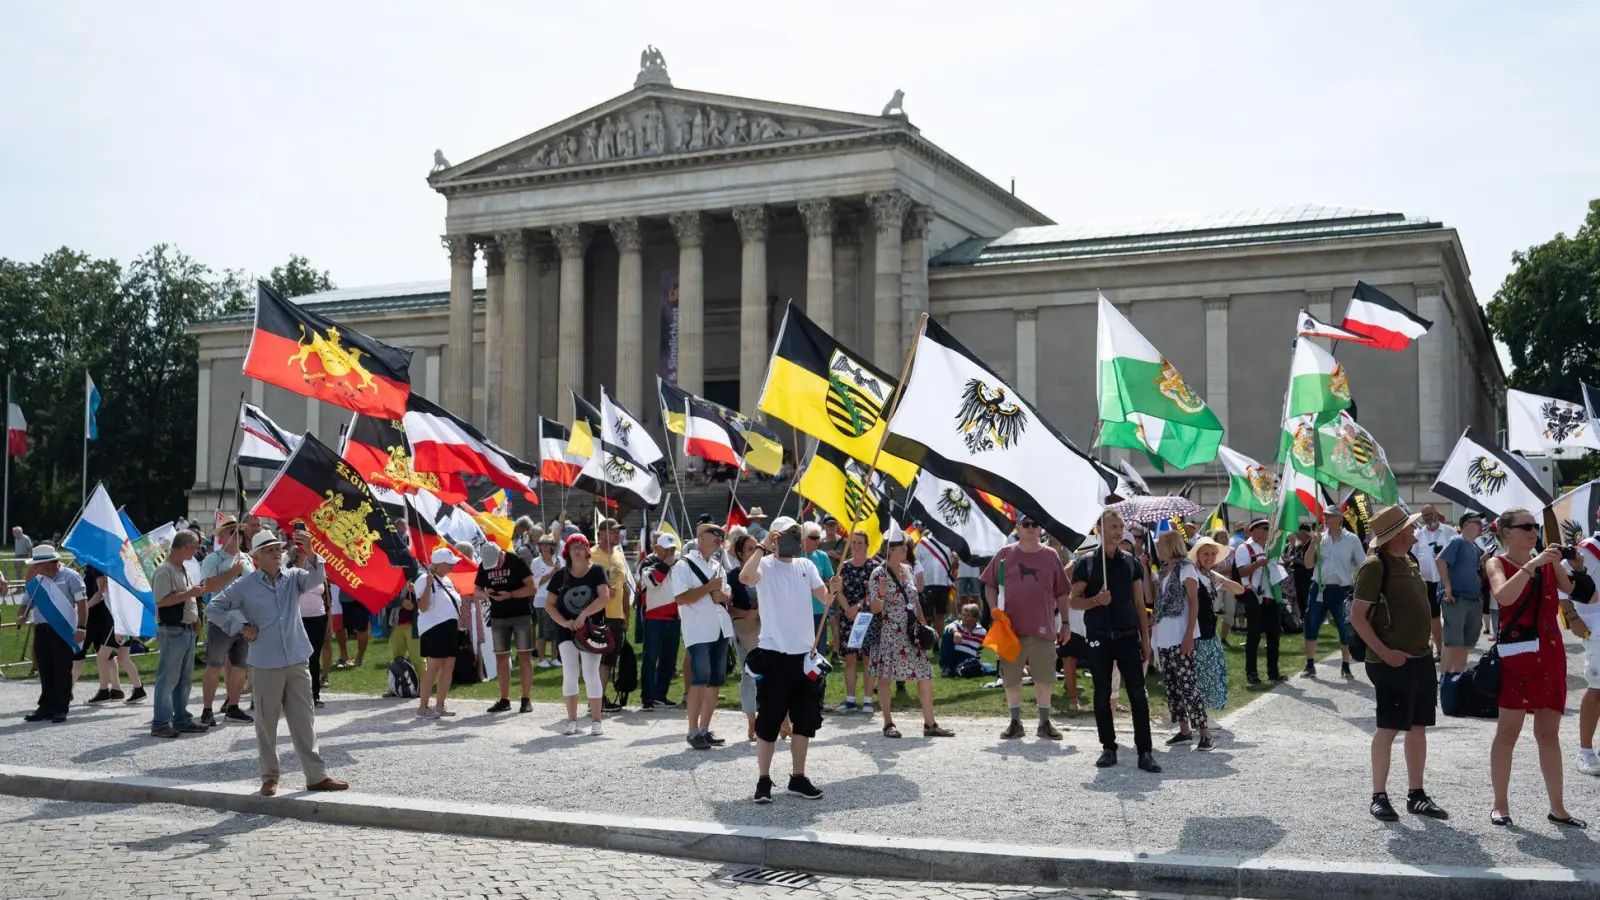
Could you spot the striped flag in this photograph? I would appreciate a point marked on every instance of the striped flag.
(1382, 320)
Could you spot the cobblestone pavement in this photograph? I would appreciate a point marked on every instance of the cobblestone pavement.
(83, 850)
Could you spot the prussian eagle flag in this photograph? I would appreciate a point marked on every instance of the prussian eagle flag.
(557, 464)
(1482, 476)
(1578, 512)
(366, 556)
(709, 436)
(300, 351)
(1548, 425)
(959, 420)
(263, 444)
(380, 452)
(444, 444)
(1382, 320)
(100, 538)
(955, 519)
(621, 428)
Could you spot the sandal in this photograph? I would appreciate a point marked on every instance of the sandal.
(889, 731)
(935, 730)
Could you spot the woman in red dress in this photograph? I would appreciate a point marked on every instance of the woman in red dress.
(1533, 659)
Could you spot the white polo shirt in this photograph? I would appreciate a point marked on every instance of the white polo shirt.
(1247, 553)
(704, 620)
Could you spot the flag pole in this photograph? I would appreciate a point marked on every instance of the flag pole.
(222, 489)
(83, 484)
(5, 513)
(894, 404)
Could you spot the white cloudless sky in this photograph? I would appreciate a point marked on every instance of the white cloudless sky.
(243, 133)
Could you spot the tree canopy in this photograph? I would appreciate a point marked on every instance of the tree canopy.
(1548, 312)
(70, 314)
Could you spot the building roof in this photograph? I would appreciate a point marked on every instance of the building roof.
(367, 300)
(1283, 224)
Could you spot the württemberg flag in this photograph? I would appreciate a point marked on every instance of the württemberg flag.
(1481, 476)
(818, 386)
(957, 419)
(585, 427)
(100, 539)
(1134, 378)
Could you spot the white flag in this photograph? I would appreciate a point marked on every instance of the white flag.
(954, 517)
(1478, 475)
(1576, 513)
(619, 428)
(1546, 426)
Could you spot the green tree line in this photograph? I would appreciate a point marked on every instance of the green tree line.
(69, 314)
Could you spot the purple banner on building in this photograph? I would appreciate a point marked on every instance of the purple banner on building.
(669, 326)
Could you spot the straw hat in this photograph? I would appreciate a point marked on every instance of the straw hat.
(1202, 543)
(1388, 523)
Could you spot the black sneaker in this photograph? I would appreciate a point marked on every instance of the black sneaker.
(1205, 744)
(1012, 732)
(799, 784)
(526, 707)
(1344, 670)
(101, 696)
(1279, 677)
(713, 740)
(764, 790)
(698, 741)
(236, 714)
(1310, 670)
(608, 705)
(1418, 803)
(318, 703)
(1182, 737)
(58, 718)
(37, 715)
(1252, 678)
(137, 695)
(501, 706)
(1108, 758)
(1147, 762)
(116, 694)
(194, 728)
(165, 731)
(1382, 809)
(206, 719)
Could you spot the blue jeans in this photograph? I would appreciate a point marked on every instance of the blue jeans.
(1328, 600)
(174, 676)
(660, 659)
(708, 663)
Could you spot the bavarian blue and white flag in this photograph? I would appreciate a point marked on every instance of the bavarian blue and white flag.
(91, 406)
(100, 539)
(60, 611)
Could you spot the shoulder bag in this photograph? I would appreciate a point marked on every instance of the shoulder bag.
(1485, 675)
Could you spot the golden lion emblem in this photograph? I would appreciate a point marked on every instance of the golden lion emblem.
(346, 529)
(399, 472)
(1174, 388)
(337, 361)
(1338, 384)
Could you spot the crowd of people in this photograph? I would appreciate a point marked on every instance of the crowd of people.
(783, 606)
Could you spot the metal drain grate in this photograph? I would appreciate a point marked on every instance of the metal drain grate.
(773, 877)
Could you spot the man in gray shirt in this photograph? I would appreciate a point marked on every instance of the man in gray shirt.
(264, 606)
(177, 623)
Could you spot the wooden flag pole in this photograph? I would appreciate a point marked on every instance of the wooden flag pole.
(894, 405)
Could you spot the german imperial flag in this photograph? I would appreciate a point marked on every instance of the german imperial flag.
(300, 351)
(836, 484)
(365, 555)
(424, 539)
(379, 450)
(818, 386)
(556, 465)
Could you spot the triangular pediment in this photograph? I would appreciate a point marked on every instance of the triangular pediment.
(658, 121)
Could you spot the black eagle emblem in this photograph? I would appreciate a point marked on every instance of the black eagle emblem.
(619, 469)
(1571, 532)
(987, 420)
(855, 397)
(1486, 476)
(1561, 421)
(954, 507)
(623, 428)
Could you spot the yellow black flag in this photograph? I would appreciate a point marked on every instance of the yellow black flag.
(585, 427)
(837, 485)
(821, 388)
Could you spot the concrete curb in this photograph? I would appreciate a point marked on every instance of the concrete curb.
(836, 853)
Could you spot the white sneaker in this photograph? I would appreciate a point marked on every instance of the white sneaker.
(572, 728)
(555, 663)
(1588, 762)
(867, 707)
(594, 729)
(544, 663)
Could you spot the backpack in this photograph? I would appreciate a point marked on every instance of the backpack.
(625, 673)
(403, 679)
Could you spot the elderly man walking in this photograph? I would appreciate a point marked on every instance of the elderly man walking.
(264, 606)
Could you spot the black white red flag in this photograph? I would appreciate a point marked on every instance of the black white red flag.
(262, 444)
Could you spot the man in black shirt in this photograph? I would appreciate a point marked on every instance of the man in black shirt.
(508, 584)
(1109, 587)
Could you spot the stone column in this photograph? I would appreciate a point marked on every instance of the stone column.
(202, 428)
(888, 215)
(509, 426)
(572, 241)
(818, 216)
(1217, 357)
(630, 313)
(458, 381)
(690, 229)
(752, 222)
(914, 270)
(1028, 354)
(487, 413)
(1320, 304)
(1431, 385)
(846, 274)
(430, 376)
(547, 330)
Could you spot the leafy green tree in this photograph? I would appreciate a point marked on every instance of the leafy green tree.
(298, 277)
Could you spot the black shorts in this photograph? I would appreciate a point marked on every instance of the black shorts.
(1076, 648)
(102, 629)
(440, 641)
(357, 618)
(936, 601)
(1408, 696)
(784, 692)
(1434, 609)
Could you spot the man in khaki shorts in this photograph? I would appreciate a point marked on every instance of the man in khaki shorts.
(1036, 587)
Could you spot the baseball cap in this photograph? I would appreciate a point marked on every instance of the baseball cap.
(783, 523)
(666, 541)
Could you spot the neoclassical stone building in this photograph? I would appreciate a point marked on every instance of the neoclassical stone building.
(663, 231)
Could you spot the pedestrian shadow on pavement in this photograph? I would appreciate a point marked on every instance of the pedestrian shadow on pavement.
(1419, 841)
(1032, 749)
(1129, 782)
(1567, 846)
(50, 810)
(788, 811)
(1244, 836)
(209, 838)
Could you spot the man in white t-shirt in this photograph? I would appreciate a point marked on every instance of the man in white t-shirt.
(1432, 534)
(1253, 565)
(1333, 562)
(785, 689)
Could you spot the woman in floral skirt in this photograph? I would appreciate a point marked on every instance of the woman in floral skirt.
(1211, 664)
(897, 657)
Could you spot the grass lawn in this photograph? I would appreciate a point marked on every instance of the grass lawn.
(952, 696)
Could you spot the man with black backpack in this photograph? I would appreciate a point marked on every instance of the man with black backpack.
(1395, 621)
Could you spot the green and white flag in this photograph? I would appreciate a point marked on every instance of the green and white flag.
(1144, 403)
(1301, 500)
(1251, 485)
(1339, 452)
(1317, 383)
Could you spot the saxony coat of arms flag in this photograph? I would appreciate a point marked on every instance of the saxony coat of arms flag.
(300, 351)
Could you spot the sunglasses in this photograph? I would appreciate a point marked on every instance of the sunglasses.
(1524, 526)
(1027, 523)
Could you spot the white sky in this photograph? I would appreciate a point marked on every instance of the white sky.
(245, 133)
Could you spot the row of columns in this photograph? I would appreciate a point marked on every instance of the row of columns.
(514, 261)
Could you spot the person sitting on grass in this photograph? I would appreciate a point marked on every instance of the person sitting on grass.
(961, 646)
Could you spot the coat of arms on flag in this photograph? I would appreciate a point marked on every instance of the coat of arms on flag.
(954, 507)
(987, 419)
(855, 396)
